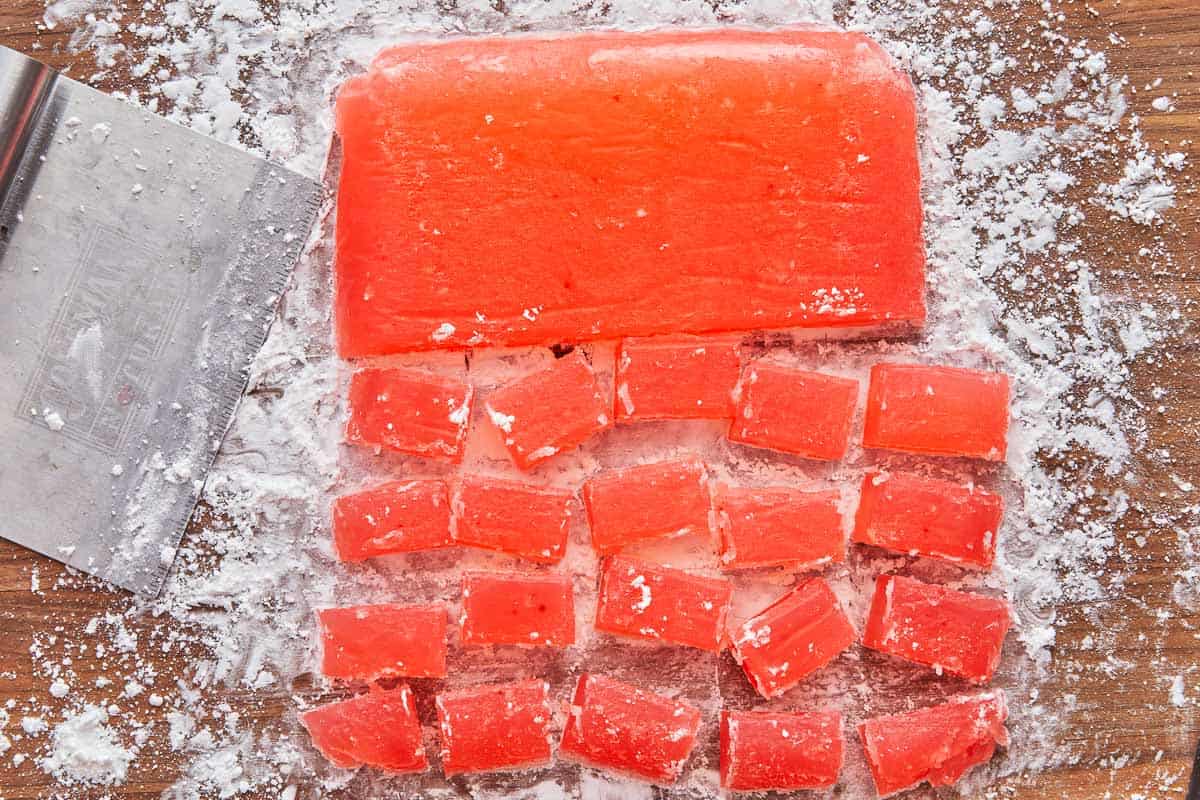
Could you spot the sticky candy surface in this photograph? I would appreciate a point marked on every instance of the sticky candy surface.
(549, 411)
(363, 643)
(534, 190)
(396, 517)
(379, 729)
(650, 601)
(767, 750)
(792, 638)
(959, 633)
(511, 517)
(497, 727)
(676, 377)
(779, 526)
(613, 725)
(937, 744)
(515, 608)
(929, 517)
(805, 413)
(414, 412)
(942, 411)
(650, 501)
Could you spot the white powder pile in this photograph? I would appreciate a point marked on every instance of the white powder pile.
(1032, 163)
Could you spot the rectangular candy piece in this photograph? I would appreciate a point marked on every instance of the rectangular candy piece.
(929, 517)
(937, 744)
(364, 643)
(510, 517)
(770, 751)
(524, 609)
(396, 517)
(628, 730)
(955, 632)
(497, 727)
(542, 189)
(804, 413)
(376, 729)
(939, 411)
(779, 526)
(676, 377)
(651, 501)
(414, 412)
(792, 638)
(549, 411)
(649, 601)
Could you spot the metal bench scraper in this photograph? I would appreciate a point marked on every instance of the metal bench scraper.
(141, 265)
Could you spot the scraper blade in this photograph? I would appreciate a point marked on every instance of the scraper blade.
(140, 268)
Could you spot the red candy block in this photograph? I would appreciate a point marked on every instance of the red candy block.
(940, 411)
(792, 638)
(628, 730)
(378, 729)
(937, 744)
(805, 413)
(396, 517)
(929, 517)
(537, 609)
(550, 411)
(779, 526)
(651, 501)
(514, 518)
(769, 751)
(649, 601)
(543, 189)
(955, 632)
(364, 643)
(418, 413)
(498, 727)
(676, 377)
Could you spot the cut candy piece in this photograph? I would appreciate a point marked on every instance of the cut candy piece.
(498, 727)
(649, 601)
(929, 517)
(769, 751)
(937, 744)
(397, 517)
(779, 526)
(629, 730)
(510, 517)
(379, 729)
(941, 411)
(364, 643)
(414, 412)
(792, 638)
(676, 377)
(651, 501)
(543, 189)
(805, 413)
(956, 632)
(520, 609)
(549, 411)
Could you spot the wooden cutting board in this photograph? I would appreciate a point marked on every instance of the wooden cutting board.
(1122, 713)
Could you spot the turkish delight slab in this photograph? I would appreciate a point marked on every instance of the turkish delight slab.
(495, 727)
(520, 519)
(807, 414)
(364, 643)
(409, 411)
(636, 504)
(394, 517)
(676, 377)
(540, 189)
(778, 751)
(378, 729)
(774, 526)
(516, 608)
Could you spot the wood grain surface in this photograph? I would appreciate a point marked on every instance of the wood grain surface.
(1123, 712)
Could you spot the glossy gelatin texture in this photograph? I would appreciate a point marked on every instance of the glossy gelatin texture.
(804, 413)
(363, 643)
(613, 725)
(650, 501)
(768, 750)
(537, 189)
(525, 521)
(959, 633)
(413, 412)
(778, 525)
(379, 729)
(923, 516)
(515, 608)
(676, 377)
(937, 744)
(940, 411)
(497, 727)
(396, 517)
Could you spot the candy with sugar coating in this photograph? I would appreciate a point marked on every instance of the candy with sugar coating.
(495, 727)
(774, 526)
(364, 643)
(793, 411)
(520, 519)
(676, 377)
(378, 729)
(410, 411)
(779, 751)
(650, 501)
(517, 608)
(395, 517)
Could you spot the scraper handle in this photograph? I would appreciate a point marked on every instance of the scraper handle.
(26, 87)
